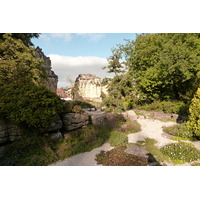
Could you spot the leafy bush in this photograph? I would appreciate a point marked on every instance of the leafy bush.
(75, 106)
(181, 152)
(177, 107)
(194, 118)
(180, 130)
(117, 157)
(28, 104)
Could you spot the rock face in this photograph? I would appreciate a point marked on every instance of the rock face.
(54, 126)
(52, 79)
(9, 132)
(74, 120)
(88, 87)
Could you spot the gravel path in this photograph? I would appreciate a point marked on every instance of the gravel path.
(151, 128)
(83, 159)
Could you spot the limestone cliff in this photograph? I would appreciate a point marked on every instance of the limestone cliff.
(52, 78)
(88, 87)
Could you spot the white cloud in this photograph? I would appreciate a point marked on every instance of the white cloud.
(94, 37)
(66, 66)
(67, 36)
(45, 37)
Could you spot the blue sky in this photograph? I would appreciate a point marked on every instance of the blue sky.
(75, 53)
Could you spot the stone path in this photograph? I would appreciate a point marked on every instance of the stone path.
(83, 159)
(151, 128)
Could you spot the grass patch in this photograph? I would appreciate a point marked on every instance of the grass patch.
(181, 152)
(117, 157)
(179, 139)
(181, 131)
(118, 136)
(149, 143)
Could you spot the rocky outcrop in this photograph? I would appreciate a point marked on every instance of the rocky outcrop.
(88, 87)
(130, 115)
(54, 126)
(73, 121)
(52, 78)
(9, 132)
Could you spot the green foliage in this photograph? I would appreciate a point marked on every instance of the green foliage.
(181, 152)
(31, 150)
(177, 107)
(18, 62)
(162, 66)
(122, 93)
(76, 106)
(114, 63)
(117, 157)
(119, 136)
(194, 118)
(24, 37)
(180, 130)
(28, 104)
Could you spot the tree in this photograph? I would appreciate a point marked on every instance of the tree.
(164, 66)
(18, 62)
(114, 63)
(194, 117)
(24, 37)
(24, 99)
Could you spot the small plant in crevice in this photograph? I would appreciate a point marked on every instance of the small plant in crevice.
(181, 152)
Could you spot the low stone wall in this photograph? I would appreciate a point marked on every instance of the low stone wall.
(73, 121)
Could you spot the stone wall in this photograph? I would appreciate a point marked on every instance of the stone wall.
(52, 78)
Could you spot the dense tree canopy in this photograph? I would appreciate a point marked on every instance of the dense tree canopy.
(24, 37)
(24, 98)
(165, 66)
(18, 62)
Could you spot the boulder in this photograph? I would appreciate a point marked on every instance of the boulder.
(130, 115)
(73, 121)
(137, 151)
(54, 136)
(98, 119)
(9, 132)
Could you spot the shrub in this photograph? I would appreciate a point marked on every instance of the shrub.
(76, 106)
(180, 130)
(194, 117)
(181, 152)
(29, 105)
(117, 157)
(177, 107)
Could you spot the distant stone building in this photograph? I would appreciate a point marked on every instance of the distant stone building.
(52, 78)
(88, 87)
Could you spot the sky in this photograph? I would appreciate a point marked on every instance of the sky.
(74, 53)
